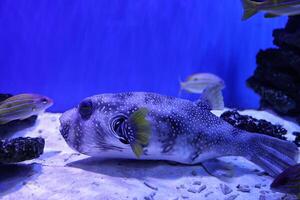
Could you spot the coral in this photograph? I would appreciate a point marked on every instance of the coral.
(277, 76)
(20, 149)
(251, 124)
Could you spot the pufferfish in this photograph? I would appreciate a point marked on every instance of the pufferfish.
(149, 126)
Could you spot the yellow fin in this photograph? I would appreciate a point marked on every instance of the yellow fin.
(143, 130)
(137, 149)
(250, 9)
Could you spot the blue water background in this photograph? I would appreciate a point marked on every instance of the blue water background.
(70, 49)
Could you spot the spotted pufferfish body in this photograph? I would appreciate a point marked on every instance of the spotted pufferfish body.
(179, 130)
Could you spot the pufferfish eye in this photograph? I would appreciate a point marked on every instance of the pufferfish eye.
(86, 109)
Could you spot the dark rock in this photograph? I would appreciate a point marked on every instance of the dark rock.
(251, 124)
(7, 130)
(225, 189)
(297, 140)
(243, 188)
(232, 197)
(277, 76)
(295, 133)
(20, 149)
(257, 185)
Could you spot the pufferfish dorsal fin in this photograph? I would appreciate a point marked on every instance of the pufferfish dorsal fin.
(212, 98)
(142, 130)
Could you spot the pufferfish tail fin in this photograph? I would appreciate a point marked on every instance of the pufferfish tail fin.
(142, 130)
(250, 8)
(272, 154)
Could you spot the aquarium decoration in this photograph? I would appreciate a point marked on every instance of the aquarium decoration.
(250, 124)
(20, 149)
(277, 76)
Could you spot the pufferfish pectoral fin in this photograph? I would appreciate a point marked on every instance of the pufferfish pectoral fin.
(142, 130)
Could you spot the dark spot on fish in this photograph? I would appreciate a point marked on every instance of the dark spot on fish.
(123, 96)
(153, 99)
(110, 107)
(64, 130)
(175, 128)
(77, 140)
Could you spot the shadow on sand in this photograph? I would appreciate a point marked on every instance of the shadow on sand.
(157, 169)
(15, 176)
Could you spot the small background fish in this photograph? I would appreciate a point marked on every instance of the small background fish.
(207, 84)
(273, 8)
(23, 106)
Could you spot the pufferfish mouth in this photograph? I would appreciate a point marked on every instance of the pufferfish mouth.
(64, 130)
(65, 123)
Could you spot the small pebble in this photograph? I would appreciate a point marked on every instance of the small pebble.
(150, 186)
(207, 194)
(184, 196)
(194, 173)
(243, 188)
(262, 197)
(225, 189)
(192, 190)
(150, 197)
(262, 173)
(197, 183)
(40, 131)
(257, 185)
(232, 197)
(264, 192)
(203, 187)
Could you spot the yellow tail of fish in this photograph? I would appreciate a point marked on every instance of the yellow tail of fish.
(250, 8)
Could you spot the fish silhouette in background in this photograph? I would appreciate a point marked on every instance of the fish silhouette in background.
(272, 8)
(22, 106)
(207, 84)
